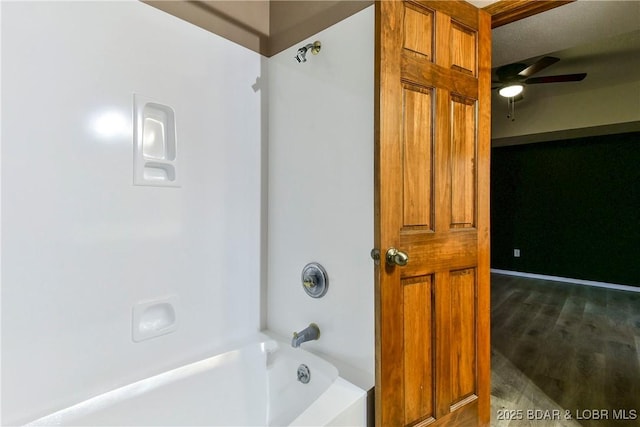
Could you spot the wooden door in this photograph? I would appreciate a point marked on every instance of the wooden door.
(433, 61)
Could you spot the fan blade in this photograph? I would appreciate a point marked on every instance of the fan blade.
(539, 65)
(556, 79)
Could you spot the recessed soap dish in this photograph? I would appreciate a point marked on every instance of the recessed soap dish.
(153, 318)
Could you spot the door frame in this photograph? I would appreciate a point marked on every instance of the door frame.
(507, 11)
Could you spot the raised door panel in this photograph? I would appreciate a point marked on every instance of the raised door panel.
(463, 351)
(418, 30)
(464, 48)
(419, 380)
(417, 156)
(463, 158)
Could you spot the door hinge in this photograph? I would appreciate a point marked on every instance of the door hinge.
(375, 255)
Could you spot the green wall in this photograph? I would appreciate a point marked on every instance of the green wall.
(572, 207)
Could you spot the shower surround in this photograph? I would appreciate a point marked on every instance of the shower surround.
(82, 245)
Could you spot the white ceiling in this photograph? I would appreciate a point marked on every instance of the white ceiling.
(481, 3)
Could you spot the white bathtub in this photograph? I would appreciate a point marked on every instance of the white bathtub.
(255, 385)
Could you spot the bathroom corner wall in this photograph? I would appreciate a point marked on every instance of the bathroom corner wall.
(81, 245)
(321, 124)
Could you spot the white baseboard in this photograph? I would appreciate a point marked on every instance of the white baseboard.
(568, 280)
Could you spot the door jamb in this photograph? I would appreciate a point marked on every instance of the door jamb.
(507, 11)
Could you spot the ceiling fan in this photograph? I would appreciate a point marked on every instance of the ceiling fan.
(512, 78)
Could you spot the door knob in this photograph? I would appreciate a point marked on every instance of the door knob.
(396, 257)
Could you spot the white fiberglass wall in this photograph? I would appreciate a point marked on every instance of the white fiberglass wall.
(321, 191)
(81, 245)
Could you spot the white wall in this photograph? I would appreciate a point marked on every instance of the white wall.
(80, 244)
(321, 190)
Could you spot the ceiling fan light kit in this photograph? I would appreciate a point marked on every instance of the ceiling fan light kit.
(514, 77)
(511, 90)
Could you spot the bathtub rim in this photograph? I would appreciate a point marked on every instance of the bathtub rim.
(264, 339)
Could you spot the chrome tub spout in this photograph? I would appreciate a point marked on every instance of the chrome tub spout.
(310, 333)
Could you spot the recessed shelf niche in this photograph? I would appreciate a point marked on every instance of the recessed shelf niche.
(155, 144)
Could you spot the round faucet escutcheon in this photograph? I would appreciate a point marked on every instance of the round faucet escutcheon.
(315, 281)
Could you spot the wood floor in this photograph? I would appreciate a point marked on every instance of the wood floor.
(561, 350)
